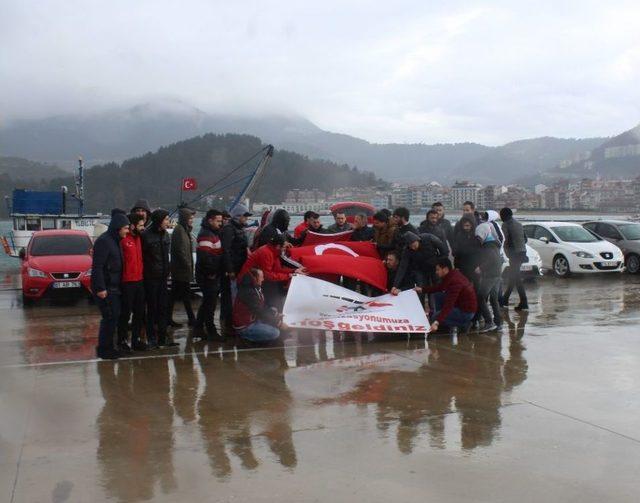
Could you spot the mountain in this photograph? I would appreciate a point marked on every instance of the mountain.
(523, 159)
(120, 134)
(209, 158)
(20, 169)
(618, 157)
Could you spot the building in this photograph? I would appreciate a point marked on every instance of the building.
(305, 196)
(463, 191)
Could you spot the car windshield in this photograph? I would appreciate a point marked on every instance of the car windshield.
(574, 234)
(630, 231)
(60, 245)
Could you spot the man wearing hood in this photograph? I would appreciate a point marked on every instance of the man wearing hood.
(182, 264)
(142, 208)
(490, 270)
(278, 226)
(515, 247)
(209, 272)
(132, 286)
(235, 250)
(155, 255)
(466, 249)
(418, 259)
(106, 280)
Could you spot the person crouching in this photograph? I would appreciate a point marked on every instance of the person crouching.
(252, 319)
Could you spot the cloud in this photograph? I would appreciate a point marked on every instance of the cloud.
(406, 71)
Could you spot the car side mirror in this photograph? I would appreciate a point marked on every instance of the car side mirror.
(22, 254)
(544, 239)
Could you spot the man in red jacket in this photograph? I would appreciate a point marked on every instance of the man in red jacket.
(133, 300)
(455, 299)
(276, 276)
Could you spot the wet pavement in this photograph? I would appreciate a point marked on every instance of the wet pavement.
(548, 410)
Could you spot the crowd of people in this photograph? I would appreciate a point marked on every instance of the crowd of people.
(142, 266)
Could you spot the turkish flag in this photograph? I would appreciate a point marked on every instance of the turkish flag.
(189, 184)
(366, 269)
(346, 248)
(317, 238)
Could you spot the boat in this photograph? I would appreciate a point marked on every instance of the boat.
(33, 210)
(353, 208)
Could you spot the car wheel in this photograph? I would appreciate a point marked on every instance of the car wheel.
(561, 266)
(633, 263)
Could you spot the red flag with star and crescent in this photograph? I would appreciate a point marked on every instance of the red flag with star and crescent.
(189, 184)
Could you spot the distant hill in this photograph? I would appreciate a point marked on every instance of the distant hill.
(525, 158)
(156, 176)
(22, 169)
(121, 134)
(618, 157)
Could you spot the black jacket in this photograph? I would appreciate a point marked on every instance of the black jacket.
(420, 264)
(155, 248)
(398, 241)
(106, 267)
(436, 230)
(209, 253)
(466, 251)
(234, 246)
(445, 224)
(363, 234)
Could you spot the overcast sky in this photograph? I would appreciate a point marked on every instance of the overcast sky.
(403, 71)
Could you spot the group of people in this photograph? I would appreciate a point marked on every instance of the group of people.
(142, 267)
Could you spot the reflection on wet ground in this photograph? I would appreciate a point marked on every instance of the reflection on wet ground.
(547, 409)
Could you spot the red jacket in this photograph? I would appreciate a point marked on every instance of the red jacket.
(249, 305)
(300, 228)
(458, 292)
(267, 258)
(131, 247)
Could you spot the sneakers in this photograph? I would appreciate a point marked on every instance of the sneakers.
(489, 328)
(123, 347)
(520, 307)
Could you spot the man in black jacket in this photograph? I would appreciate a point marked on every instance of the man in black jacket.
(361, 231)
(106, 278)
(432, 226)
(155, 256)
(279, 225)
(443, 222)
(418, 259)
(235, 249)
(209, 272)
(400, 218)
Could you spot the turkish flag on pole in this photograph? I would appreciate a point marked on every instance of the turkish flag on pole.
(189, 184)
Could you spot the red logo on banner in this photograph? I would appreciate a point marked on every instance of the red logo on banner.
(189, 184)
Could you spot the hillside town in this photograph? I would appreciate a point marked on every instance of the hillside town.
(582, 195)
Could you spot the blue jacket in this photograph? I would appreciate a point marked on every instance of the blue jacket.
(106, 268)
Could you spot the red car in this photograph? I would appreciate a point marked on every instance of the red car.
(56, 260)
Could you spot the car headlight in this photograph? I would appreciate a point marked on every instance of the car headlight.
(582, 254)
(35, 273)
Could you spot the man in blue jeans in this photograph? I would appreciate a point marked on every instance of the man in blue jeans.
(253, 320)
(454, 298)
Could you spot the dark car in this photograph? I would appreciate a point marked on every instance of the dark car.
(625, 235)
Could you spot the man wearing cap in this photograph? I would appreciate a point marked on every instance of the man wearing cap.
(235, 250)
(418, 259)
(142, 208)
(156, 269)
(106, 280)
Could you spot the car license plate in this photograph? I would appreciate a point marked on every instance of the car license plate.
(526, 268)
(66, 284)
(609, 263)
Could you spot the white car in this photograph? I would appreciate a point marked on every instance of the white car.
(567, 248)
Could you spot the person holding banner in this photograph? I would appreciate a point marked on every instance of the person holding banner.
(253, 320)
(455, 302)
(276, 276)
(418, 259)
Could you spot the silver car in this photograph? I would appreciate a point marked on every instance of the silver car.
(625, 235)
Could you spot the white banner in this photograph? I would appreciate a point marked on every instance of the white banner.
(317, 304)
